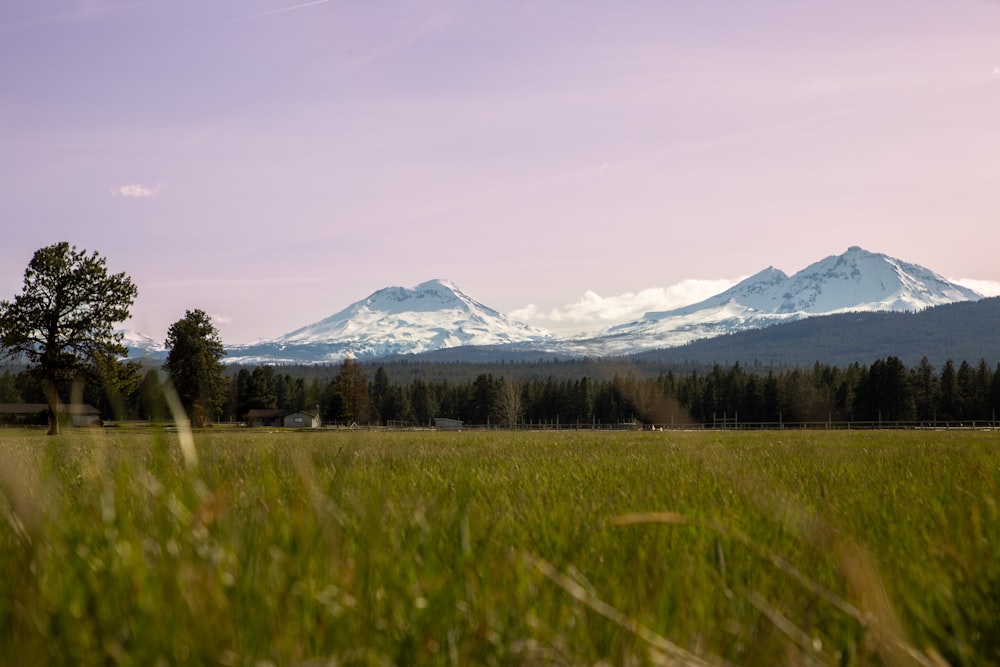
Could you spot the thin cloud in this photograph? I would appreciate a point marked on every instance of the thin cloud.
(290, 8)
(136, 191)
(83, 12)
(593, 311)
(235, 282)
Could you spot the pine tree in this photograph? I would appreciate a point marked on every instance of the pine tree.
(261, 394)
(153, 404)
(194, 365)
(62, 322)
(348, 400)
(8, 388)
(924, 389)
(423, 402)
(948, 399)
(380, 396)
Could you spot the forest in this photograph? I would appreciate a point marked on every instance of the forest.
(569, 394)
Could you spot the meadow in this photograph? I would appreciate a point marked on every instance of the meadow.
(238, 547)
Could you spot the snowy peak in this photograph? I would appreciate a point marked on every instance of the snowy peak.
(435, 307)
(752, 292)
(855, 281)
(425, 297)
(397, 320)
(433, 296)
(141, 345)
(859, 280)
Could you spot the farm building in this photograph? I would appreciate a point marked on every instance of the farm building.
(37, 413)
(300, 419)
(282, 418)
(445, 424)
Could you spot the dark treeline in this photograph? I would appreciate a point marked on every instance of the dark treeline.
(887, 390)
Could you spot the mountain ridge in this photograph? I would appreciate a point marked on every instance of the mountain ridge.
(855, 281)
(959, 331)
(436, 315)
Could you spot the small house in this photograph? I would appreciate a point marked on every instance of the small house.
(445, 424)
(80, 414)
(300, 419)
(265, 418)
(282, 419)
(23, 413)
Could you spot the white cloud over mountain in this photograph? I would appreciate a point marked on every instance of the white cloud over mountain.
(984, 287)
(594, 311)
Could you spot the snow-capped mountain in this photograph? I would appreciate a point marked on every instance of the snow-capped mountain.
(436, 315)
(140, 345)
(856, 281)
(396, 320)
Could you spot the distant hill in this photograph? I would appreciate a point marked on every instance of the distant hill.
(965, 331)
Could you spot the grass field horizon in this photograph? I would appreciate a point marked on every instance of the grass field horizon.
(255, 548)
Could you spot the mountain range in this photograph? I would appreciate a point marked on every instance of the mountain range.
(961, 331)
(436, 315)
(856, 281)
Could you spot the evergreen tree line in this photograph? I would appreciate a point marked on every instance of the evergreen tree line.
(886, 391)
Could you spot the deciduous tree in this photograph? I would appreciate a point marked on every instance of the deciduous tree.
(508, 406)
(63, 321)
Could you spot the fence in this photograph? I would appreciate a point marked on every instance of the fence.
(733, 425)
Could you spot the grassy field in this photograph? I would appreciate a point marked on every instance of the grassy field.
(363, 548)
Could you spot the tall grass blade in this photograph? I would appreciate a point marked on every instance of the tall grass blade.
(856, 567)
(581, 594)
(183, 425)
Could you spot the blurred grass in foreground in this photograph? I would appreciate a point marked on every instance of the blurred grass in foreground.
(500, 548)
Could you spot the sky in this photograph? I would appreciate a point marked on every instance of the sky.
(572, 164)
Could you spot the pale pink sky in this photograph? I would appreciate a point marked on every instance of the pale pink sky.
(572, 163)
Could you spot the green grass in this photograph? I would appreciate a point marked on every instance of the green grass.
(500, 548)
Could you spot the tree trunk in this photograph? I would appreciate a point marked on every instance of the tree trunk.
(52, 397)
